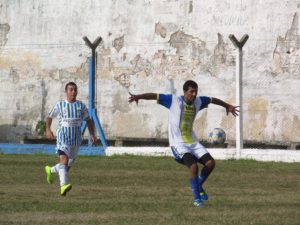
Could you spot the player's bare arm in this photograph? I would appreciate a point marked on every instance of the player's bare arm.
(49, 133)
(90, 126)
(229, 108)
(145, 96)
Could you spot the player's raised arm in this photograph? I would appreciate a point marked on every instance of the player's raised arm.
(229, 108)
(145, 96)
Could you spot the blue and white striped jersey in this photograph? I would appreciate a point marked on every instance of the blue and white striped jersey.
(71, 115)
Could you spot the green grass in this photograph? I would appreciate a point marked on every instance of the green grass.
(147, 190)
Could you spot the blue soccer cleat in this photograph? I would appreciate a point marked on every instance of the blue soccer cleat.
(198, 203)
(203, 195)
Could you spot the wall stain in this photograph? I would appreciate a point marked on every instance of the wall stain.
(256, 123)
(123, 79)
(125, 123)
(4, 29)
(287, 50)
(119, 43)
(119, 104)
(290, 128)
(160, 30)
(188, 45)
(190, 6)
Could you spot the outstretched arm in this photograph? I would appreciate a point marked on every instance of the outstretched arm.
(229, 108)
(145, 96)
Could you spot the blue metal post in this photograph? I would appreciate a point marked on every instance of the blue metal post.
(91, 88)
(91, 83)
(92, 110)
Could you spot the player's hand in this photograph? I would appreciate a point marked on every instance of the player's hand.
(49, 134)
(92, 137)
(133, 98)
(232, 109)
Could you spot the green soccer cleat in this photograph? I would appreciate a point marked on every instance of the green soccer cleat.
(49, 174)
(198, 203)
(65, 188)
(203, 195)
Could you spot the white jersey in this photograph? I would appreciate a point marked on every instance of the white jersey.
(71, 115)
(181, 118)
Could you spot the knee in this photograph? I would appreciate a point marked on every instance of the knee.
(210, 164)
(194, 168)
(63, 159)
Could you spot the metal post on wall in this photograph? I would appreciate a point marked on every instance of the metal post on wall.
(92, 109)
(239, 90)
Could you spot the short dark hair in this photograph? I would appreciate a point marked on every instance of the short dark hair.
(190, 83)
(70, 84)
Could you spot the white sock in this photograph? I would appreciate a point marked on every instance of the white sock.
(63, 174)
(55, 169)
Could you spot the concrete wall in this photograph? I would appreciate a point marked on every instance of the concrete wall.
(151, 46)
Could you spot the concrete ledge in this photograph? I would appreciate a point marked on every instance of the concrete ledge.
(218, 153)
(276, 155)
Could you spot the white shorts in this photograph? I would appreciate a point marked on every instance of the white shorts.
(70, 151)
(196, 149)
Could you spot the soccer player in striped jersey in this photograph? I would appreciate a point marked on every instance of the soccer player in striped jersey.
(184, 144)
(71, 114)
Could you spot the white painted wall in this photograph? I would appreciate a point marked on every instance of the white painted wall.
(151, 46)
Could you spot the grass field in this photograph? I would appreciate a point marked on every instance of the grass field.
(147, 190)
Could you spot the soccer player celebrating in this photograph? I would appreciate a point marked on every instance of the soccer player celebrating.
(71, 114)
(184, 144)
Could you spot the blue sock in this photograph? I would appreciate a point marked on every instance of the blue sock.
(194, 182)
(202, 177)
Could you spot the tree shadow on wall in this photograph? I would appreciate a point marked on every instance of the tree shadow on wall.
(14, 134)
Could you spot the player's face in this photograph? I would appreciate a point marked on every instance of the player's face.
(190, 95)
(71, 93)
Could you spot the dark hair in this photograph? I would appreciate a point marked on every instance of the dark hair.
(190, 83)
(70, 84)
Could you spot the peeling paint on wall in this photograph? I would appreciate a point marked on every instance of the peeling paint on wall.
(188, 45)
(123, 79)
(160, 30)
(119, 43)
(287, 51)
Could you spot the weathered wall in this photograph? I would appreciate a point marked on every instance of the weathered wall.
(151, 46)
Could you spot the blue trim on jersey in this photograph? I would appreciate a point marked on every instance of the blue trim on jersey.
(176, 154)
(165, 100)
(204, 102)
